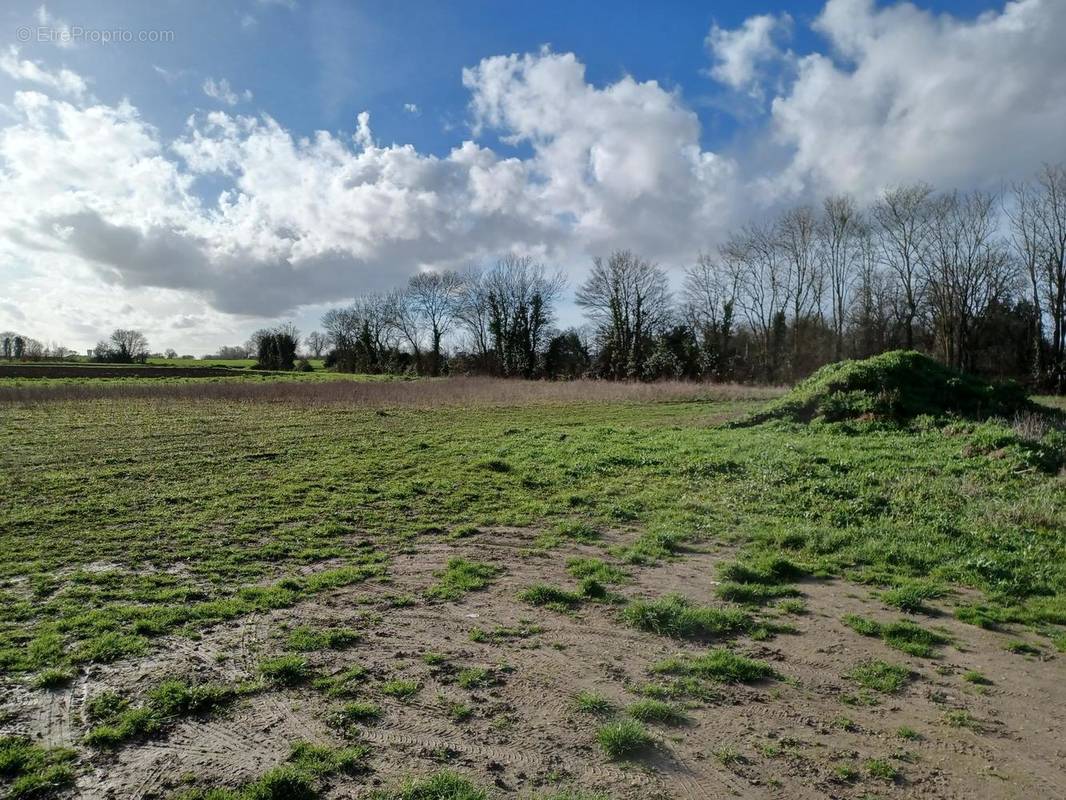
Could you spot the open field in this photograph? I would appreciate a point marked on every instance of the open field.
(578, 591)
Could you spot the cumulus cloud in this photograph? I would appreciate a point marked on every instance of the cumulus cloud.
(907, 95)
(63, 80)
(221, 90)
(743, 57)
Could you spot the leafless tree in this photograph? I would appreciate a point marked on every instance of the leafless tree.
(797, 233)
(431, 302)
(902, 218)
(628, 300)
(316, 342)
(838, 232)
(967, 267)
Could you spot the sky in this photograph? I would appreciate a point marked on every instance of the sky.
(197, 170)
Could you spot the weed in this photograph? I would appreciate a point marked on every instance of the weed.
(623, 738)
(674, 615)
(53, 678)
(461, 576)
(32, 771)
(958, 718)
(721, 665)
(902, 635)
(400, 689)
(976, 678)
(597, 569)
(593, 703)
(880, 676)
(910, 598)
(881, 769)
(656, 711)
(357, 712)
(552, 597)
(907, 734)
(443, 785)
(290, 670)
(475, 678)
(792, 605)
(1021, 648)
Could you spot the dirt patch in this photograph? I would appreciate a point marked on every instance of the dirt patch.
(797, 738)
(107, 371)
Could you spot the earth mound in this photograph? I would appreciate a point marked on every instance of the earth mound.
(898, 385)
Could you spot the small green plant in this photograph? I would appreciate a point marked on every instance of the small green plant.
(459, 712)
(1021, 648)
(589, 702)
(444, 785)
(358, 711)
(552, 597)
(910, 598)
(596, 569)
(792, 605)
(623, 738)
(676, 616)
(907, 734)
(753, 593)
(880, 676)
(881, 769)
(846, 773)
(902, 635)
(976, 678)
(400, 689)
(53, 678)
(475, 678)
(461, 576)
(31, 771)
(434, 659)
(651, 710)
(720, 665)
(288, 670)
(958, 718)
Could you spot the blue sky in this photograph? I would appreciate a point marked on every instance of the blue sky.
(575, 149)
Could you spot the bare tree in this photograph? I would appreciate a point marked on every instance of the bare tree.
(1028, 242)
(708, 306)
(798, 235)
(1052, 194)
(316, 343)
(519, 296)
(967, 268)
(474, 311)
(627, 298)
(840, 228)
(902, 217)
(431, 302)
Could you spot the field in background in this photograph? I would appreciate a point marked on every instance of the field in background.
(194, 576)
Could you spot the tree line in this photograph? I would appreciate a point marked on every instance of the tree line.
(977, 279)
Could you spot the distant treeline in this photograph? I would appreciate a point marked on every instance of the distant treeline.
(976, 279)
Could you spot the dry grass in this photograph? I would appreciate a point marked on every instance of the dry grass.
(425, 393)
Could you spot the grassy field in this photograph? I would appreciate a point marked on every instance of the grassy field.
(133, 529)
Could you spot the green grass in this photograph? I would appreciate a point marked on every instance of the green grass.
(976, 678)
(358, 711)
(475, 678)
(306, 639)
(651, 710)
(461, 576)
(289, 670)
(552, 597)
(400, 689)
(444, 785)
(903, 635)
(303, 776)
(116, 721)
(596, 569)
(623, 739)
(911, 597)
(32, 771)
(881, 769)
(720, 665)
(880, 676)
(676, 616)
(588, 702)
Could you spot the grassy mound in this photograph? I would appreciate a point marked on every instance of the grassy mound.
(897, 385)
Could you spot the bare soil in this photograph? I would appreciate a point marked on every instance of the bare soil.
(776, 739)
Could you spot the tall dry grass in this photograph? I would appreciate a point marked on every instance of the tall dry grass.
(426, 393)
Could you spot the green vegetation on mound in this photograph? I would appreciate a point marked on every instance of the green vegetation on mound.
(898, 385)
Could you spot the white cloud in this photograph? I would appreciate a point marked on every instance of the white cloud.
(98, 209)
(412, 109)
(742, 57)
(907, 95)
(59, 29)
(63, 80)
(221, 90)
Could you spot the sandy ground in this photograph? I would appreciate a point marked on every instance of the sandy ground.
(785, 738)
